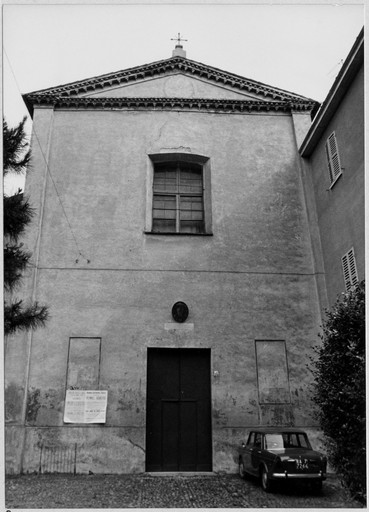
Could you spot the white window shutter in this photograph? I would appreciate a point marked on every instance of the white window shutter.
(349, 270)
(334, 163)
(352, 265)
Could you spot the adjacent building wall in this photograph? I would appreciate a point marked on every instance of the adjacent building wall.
(340, 209)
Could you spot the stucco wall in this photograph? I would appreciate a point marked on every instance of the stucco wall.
(252, 280)
(99, 162)
(340, 209)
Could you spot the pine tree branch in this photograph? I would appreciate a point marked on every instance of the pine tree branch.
(17, 215)
(18, 317)
(16, 157)
(15, 262)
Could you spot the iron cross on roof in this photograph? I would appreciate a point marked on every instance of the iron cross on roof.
(179, 39)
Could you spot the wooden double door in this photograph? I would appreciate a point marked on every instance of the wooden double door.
(178, 422)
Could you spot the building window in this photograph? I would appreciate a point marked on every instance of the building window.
(180, 195)
(334, 164)
(178, 205)
(349, 270)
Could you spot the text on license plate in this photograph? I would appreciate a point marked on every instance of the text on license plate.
(302, 464)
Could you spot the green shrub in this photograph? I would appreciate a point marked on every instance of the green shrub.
(339, 389)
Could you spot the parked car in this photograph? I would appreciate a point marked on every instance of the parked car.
(281, 454)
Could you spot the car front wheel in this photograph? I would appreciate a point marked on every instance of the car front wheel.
(265, 480)
(241, 469)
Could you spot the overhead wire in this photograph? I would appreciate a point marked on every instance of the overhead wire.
(335, 66)
(49, 172)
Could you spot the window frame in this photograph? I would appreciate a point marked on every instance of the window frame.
(258, 436)
(70, 362)
(201, 160)
(261, 370)
(333, 157)
(251, 439)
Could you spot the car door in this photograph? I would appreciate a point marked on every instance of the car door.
(246, 453)
(256, 452)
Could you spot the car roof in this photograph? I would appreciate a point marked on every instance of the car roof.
(277, 430)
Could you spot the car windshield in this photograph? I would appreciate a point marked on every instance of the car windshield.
(274, 442)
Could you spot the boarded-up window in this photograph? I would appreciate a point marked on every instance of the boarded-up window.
(178, 203)
(272, 372)
(83, 363)
(349, 270)
(334, 164)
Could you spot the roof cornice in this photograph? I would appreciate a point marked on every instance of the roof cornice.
(204, 105)
(155, 69)
(347, 73)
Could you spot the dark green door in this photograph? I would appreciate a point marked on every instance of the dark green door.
(178, 425)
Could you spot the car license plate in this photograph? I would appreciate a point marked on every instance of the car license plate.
(302, 464)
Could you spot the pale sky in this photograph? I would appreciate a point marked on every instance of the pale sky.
(297, 46)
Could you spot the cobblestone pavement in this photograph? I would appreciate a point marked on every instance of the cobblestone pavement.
(149, 491)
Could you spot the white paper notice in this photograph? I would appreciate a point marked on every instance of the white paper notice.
(85, 406)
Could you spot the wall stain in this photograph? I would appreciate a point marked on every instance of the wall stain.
(229, 447)
(50, 438)
(283, 416)
(220, 417)
(12, 402)
(43, 405)
(136, 445)
(33, 405)
(127, 401)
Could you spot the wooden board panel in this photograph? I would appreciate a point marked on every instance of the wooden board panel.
(178, 429)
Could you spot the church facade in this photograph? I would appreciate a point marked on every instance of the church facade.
(173, 246)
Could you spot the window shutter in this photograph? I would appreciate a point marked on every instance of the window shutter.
(352, 265)
(334, 163)
(349, 269)
(346, 272)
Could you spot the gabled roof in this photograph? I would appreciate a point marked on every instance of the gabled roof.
(68, 94)
(342, 83)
